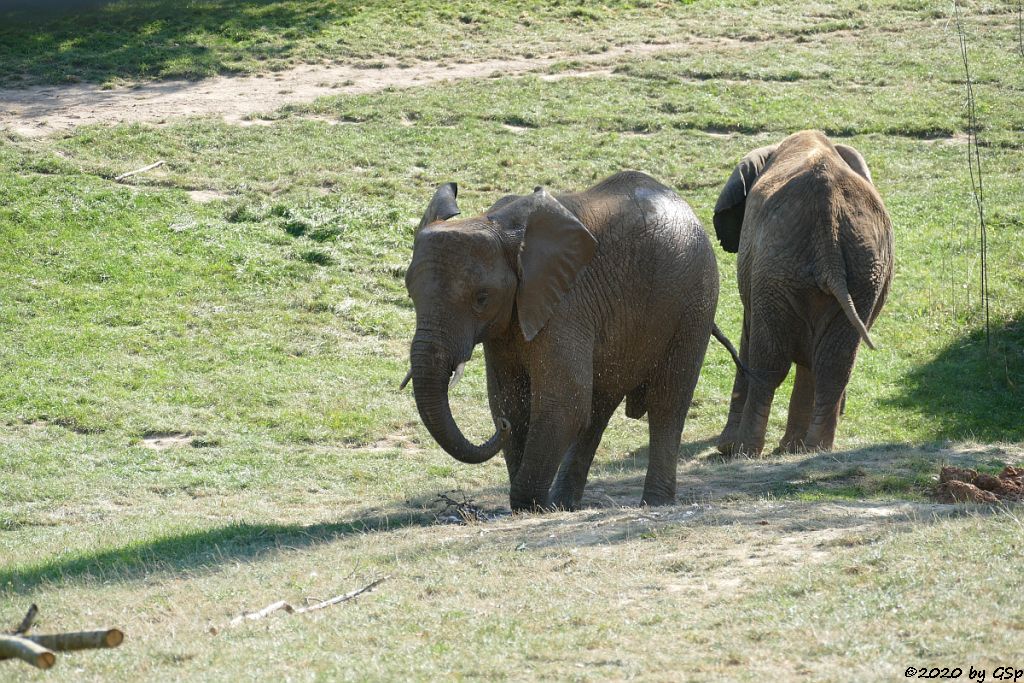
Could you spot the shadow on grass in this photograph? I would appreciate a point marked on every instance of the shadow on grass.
(61, 41)
(976, 392)
(826, 490)
(886, 472)
(197, 549)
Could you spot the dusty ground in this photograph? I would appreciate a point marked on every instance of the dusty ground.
(44, 110)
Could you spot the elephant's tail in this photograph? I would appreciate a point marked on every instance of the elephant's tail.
(724, 341)
(839, 290)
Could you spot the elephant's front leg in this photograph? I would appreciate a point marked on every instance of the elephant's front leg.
(567, 493)
(508, 392)
(561, 385)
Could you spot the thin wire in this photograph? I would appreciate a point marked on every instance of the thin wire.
(974, 165)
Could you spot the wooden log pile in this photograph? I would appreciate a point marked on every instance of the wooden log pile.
(38, 650)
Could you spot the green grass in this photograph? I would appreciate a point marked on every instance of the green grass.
(125, 41)
(269, 329)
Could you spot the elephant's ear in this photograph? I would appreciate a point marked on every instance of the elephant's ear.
(442, 206)
(733, 199)
(554, 249)
(855, 160)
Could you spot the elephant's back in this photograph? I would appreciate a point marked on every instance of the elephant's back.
(634, 208)
(654, 273)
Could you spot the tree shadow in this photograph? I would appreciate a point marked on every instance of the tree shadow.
(239, 542)
(975, 392)
(62, 41)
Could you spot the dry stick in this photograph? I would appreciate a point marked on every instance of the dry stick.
(266, 611)
(284, 605)
(343, 598)
(139, 170)
(16, 647)
(26, 623)
(974, 164)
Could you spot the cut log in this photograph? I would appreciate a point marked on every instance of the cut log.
(17, 647)
(79, 640)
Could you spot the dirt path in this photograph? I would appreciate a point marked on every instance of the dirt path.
(44, 110)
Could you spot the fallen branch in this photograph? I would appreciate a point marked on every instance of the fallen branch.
(283, 605)
(26, 623)
(137, 171)
(17, 647)
(342, 598)
(266, 611)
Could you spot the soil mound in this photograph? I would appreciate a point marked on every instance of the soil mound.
(959, 485)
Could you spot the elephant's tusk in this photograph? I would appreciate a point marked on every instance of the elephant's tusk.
(457, 375)
(408, 376)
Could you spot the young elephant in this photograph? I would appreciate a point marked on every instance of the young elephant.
(579, 300)
(815, 261)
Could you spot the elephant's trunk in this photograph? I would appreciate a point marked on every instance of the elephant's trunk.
(431, 369)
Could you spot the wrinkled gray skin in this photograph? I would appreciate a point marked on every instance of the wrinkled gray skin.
(580, 300)
(815, 260)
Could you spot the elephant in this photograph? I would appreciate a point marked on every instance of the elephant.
(814, 246)
(580, 301)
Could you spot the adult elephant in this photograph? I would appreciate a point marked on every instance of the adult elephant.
(579, 300)
(815, 260)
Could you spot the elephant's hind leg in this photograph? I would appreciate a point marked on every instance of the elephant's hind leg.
(727, 439)
(801, 406)
(567, 493)
(769, 360)
(669, 403)
(834, 358)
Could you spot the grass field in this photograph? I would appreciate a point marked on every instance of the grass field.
(199, 412)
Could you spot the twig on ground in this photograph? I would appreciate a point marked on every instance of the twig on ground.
(343, 598)
(137, 171)
(26, 623)
(284, 605)
(265, 612)
(457, 512)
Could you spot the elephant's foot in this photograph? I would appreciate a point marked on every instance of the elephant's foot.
(563, 499)
(657, 500)
(788, 446)
(526, 502)
(749, 450)
(655, 496)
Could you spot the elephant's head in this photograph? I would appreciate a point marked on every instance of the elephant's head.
(478, 279)
(732, 200)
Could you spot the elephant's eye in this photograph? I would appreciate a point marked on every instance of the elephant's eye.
(481, 300)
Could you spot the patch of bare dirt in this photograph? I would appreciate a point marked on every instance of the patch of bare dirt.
(963, 485)
(207, 196)
(161, 441)
(44, 110)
